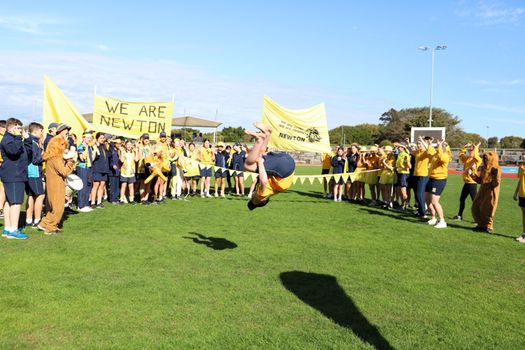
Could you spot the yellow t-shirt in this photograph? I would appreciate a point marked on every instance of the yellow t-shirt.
(206, 156)
(438, 163)
(422, 160)
(128, 165)
(521, 177)
(402, 162)
(192, 168)
(474, 158)
(275, 185)
(327, 160)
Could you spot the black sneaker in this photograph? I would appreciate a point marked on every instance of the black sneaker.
(132, 203)
(99, 206)
(144, 203)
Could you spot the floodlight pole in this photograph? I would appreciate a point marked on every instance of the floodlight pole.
(426, 48)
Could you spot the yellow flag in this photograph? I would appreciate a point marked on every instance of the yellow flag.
(297, 130)
(58, 109)
(132, 119)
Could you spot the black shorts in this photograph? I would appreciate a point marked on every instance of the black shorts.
(219, 174)
(411, 182)
(435, 187)
(14, 192)
(205, 172)
(402, 180)
(97, 177)
(35, 186)
(127, 180)
(521, 202)
(279, 164)
(325, 171)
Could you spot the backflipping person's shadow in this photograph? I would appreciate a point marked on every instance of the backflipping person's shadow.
(323, 293)
(215, 243)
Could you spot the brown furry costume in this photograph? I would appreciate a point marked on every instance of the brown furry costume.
(486, 201)
(56, 170)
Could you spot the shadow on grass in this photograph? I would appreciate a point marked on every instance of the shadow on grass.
(314, 194)
(323, 293)
(215, 243)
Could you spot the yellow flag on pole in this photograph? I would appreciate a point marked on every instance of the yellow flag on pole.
(297, 130)
(58, 109)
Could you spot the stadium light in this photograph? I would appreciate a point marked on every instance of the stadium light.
(426, 48)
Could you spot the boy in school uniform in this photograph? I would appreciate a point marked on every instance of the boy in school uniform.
(51, 132)
(14, 176)
(275, 170)
(85, 160)
(519, 195)
(2, 193)
(35, 184)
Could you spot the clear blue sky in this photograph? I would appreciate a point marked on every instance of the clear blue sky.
(358, 57)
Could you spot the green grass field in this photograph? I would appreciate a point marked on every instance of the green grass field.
(301, 273)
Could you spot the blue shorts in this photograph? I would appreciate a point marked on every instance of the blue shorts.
(238, 173)
(402, 180)
(97, 177)
(14, 192)
(127, 180)
(219, 174)
(435, 186)
(279, 164)
(205, 172)
(35, 186)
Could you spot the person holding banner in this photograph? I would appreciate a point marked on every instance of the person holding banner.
(207, 157)
(326, 165)
(275, 170)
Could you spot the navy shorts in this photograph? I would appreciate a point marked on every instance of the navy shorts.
(14, 192)
(97, 177)
(219, 174)
(279, 164)
(127, 180)
(325, 171)
(521, 202)
(35, 186)
(402, 180)
(411, 182)
(435, 187)
(205, 172)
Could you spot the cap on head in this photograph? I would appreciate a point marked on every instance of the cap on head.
(61, 127)
(388, 148)
(162, 134)
(220, 144)
(373, 149)
(88, 132)
(52, 125)
(145, 136)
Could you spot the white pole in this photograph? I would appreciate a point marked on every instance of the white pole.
(431, 89)
(215, 131)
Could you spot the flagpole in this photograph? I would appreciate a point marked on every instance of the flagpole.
(215, 131)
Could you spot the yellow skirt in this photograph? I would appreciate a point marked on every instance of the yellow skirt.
(371, 177)
(387, 177)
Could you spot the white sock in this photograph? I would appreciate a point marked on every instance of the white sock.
(29, 222)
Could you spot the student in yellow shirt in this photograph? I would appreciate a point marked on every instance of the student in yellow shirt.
(207, 158)
(326, 163)
(403, 167)
(371, 177)
(421, 173)
(386, 180)
(519, 195)
(193, 172)
(275, 170)
(438, 173)
(128, 156)
(470, 187)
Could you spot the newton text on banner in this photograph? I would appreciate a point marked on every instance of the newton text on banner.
(132, 119)
(297, 130)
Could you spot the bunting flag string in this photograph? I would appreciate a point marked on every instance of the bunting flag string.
(312, 179)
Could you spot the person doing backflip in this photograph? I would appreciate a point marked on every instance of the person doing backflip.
(275, 169)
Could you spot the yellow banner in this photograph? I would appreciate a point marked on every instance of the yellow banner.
(132, 119)
(58, 109)
(297, 130)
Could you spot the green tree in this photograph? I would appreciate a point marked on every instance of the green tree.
(232, 134)
(511, 142)
(363, 134)
(492, 142)
(398, 124)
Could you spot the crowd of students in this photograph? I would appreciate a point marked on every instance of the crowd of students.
(393, 174)
(126, 171)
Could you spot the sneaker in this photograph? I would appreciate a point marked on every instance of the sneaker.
(521, 239)
(216, 194)
(85, 209)
(144, 202)
(17, 235)
(208, 195)
(441, 224)
(35, 224)
(99, 206)
(5, 233)
(132, 202)
(249, 195)
(432, 222)
(457, 218)
(223, 195)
